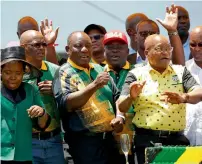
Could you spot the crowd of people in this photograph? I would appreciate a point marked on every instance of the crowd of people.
(149, 87)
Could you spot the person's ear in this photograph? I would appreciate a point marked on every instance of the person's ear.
(67, 48)
(129, 32)
(146, 53)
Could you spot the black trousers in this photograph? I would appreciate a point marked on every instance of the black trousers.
(143, 141)
(16, 162)
(95, 149)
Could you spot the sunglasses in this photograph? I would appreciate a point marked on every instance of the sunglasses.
(96, 37)
(38, 45)
(145, 34)
(193, 45)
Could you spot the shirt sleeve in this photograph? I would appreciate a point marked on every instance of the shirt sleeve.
(126, 87)
(115, 90)
(61, 88)
(37, 97)
(38, 101)
(188, 81)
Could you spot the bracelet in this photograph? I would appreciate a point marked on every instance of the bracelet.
(123, 117)
(174, 33)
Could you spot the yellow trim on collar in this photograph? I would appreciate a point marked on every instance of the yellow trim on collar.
(126, 66)
(168, 69)
(93, 61)
(79, 67)
(43, 66)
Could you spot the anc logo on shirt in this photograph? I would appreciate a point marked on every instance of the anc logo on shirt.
(176, 80)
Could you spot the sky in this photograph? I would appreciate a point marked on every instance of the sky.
(76, 15)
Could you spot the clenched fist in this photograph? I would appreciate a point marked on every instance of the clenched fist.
(101, 80)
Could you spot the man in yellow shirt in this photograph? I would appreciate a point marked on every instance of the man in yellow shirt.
(159, 92)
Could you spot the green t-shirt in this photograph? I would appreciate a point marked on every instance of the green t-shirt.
(48, 70)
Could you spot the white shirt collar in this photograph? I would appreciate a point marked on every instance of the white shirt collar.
(195, 70)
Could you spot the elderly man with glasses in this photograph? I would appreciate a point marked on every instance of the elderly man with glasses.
(47, 142)
(96, 34)
(159, 92)
(148, 27)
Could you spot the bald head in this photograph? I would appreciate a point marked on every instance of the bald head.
(158, 52)
(29, 36)
(34, 44)
(196, 33)
(154, 40)
(131, 23)
(77, 35)
(79, 48)
(196, 45)
(133, 19)
(26, 23)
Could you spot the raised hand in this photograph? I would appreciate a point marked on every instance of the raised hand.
(136, 88)
(47, 31)
(171, 19)
(174, 98)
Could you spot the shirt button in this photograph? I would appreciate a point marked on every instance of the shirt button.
(13, 119)
(14, 106)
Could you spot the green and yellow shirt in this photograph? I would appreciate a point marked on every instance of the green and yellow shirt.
(48, 70)
(151, 112)
(119, 79)
(97, 113)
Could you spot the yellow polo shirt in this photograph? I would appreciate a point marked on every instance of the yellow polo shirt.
(151, 112)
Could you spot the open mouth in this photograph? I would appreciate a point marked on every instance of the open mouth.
(115, 57)
(84, 57)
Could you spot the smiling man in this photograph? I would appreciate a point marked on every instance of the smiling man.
(116, 52)
(86, 96)
(159, 92)
(46, 141)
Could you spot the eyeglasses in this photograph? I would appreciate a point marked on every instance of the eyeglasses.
(38, 45)
(116, 47)
(163, 49)
(96, 37)
(193, 45)
(145, 34)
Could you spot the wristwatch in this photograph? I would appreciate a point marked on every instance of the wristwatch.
(173, 33)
